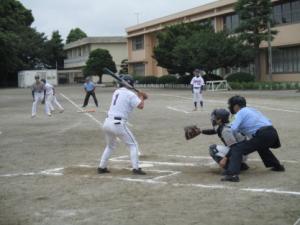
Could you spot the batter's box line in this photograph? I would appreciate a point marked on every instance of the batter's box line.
(171, 172)
(55, 172)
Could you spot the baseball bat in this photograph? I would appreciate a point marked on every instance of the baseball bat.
(108, 71)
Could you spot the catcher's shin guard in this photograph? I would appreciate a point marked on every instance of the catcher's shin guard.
(217, 152)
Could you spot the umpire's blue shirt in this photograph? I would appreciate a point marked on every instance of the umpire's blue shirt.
(248, 121)
(89, 86)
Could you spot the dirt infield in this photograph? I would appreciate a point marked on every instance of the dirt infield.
(48, 164)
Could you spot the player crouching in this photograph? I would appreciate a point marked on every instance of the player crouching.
(221, 127)
(115, 125)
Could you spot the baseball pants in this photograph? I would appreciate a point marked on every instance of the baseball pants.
(264, 139)
(118, 129)
(38, 97)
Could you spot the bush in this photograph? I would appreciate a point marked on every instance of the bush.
(146, 79)
(240, 77)
(167, 79)
(209, 77)
(186, 79)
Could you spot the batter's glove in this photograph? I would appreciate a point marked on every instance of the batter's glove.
(191, 132)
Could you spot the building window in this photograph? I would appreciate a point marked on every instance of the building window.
(231, 22)
(138, 69)
(286, 60)
(286, 12)
(138, 43)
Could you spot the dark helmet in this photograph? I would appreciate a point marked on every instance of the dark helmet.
(36, 77)
(128, 78)
(236, 100)
(44, 81)
(222, 114)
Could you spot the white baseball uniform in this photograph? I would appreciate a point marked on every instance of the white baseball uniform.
(38, 95)
(197, 83)
(123, 103)
(51, 98)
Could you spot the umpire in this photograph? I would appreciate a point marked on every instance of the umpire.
(261, 132)
(89, 88)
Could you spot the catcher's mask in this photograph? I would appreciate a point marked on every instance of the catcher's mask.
(222, 114)
(44, 81)
(236, 100)
(128, 78)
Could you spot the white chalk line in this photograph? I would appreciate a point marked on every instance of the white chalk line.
(222, 102)
(297, 222)
(57, 172)
(209, 158)
(78, 107)
(177, 110)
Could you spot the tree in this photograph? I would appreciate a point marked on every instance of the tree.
(75, 34)
(54, 51)
(253, 28)
(22, 47)
(182, 48)
(212, 50)
(171, 52)
(98, 59)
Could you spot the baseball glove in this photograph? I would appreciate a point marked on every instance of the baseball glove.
(191, 132)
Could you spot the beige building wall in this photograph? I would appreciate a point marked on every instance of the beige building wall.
(289, 35)
(78, 53)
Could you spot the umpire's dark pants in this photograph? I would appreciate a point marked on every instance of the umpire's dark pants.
(87, 97)
(264, 139)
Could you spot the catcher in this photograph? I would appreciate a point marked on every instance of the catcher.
(220, 123)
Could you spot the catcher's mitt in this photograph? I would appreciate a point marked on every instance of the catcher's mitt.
(191, 132)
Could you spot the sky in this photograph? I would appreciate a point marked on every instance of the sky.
(101, 17)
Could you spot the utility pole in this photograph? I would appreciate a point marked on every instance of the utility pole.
(270, 52)
(137, 14)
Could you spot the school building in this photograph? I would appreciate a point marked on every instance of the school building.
(77, 54)
(141, 38)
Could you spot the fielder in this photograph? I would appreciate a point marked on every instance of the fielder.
(123, 103)
(197, 86)
(38, 94)
(50, 98)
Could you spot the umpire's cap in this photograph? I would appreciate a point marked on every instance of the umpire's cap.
(222, 114)
(236, 100)
(128, 78)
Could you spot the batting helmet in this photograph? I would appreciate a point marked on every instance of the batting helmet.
(222, 114)
(36, 77)
(236, 100)
(128, 78)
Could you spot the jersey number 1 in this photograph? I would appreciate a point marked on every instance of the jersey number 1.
(116, 98)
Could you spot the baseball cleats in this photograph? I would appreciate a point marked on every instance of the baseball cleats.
(138, 171)
(61, 111)
(102, 170)
(231, 178)
(279, 168)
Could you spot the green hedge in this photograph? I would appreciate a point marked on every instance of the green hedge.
(240, 77)
(264, 85)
